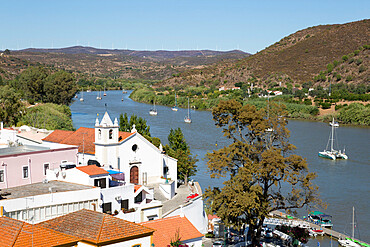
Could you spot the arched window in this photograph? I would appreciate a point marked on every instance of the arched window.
(99, 134)
(110, 134)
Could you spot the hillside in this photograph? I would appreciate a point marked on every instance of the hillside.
(297, 58)
(159, 54)
(126, 64)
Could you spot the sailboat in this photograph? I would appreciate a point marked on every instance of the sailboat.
(175, 107)
(105, 94)
(99, 96)
(187, 119)
(348, 242)
(153, 111)
(82, 96)
(88, 90)
(332, 153)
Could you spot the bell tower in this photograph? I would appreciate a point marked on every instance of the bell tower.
(106, 140)
(106, 132)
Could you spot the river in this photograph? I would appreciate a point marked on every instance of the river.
(343, 183)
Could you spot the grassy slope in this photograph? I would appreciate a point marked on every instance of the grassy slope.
(299, 56)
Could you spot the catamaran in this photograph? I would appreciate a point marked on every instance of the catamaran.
(98, 97)
(332, 153)
(175, 107)
(187, 119)
(153, 111)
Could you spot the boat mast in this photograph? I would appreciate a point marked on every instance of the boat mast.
(353, 222)
(332, 135)
(188, 109)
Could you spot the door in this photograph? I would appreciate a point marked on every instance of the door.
(134, 175)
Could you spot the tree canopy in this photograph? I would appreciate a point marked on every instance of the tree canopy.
(41, 85)
(263, 173)
(140, 124)
(11, 107)
(179, 149)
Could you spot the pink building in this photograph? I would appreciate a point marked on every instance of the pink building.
(28, 164)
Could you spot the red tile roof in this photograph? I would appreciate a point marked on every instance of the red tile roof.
(18, 234)
(166, 229)
(84, 138)
(92, 170)
(58, 135)
(136, 187)
(97, 228)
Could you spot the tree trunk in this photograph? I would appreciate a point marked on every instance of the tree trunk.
(186, 180)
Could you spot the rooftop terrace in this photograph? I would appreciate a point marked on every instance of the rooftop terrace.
(40, 189)
(21, 149)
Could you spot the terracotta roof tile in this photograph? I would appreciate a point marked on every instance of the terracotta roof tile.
(97, 228)
(58, 135)
(166, 229)
(18, 234)
(84, 138)
(92, 170)
(136, 187)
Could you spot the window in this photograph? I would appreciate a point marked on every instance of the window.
(100, 182)
(99, 134)
(46, 167)
(25, 171)
(124, 205)
(2, 176)
(110, 134)
(107, 208)
(137, 245)
(134, 147)
(139, 197)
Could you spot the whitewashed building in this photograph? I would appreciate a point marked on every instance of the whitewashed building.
(140, 161)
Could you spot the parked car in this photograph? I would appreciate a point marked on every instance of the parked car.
(218, 244)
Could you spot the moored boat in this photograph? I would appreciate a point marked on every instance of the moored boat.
(175, 107)
(332, 153)
(153, 111)
(321, 219)
(187, 119)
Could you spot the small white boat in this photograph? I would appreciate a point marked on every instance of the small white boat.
(175, 107)
(350, 242)
(82, 96)
(332, 153)
(99, 96)
(153, 112)
(335, 124)
(105, 94)
(187, 119)
(124, 91)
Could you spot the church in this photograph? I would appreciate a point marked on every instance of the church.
(128, 152)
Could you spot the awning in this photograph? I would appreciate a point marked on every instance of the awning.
(118, 176)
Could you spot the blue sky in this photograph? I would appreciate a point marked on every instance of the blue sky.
(171, 25)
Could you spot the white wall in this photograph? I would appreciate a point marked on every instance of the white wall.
(61, 202)
(125, 191)
(194, 211)
(149, 159)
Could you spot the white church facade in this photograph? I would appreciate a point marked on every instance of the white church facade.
(131, 153)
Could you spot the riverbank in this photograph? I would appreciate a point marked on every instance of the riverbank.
(349, 113)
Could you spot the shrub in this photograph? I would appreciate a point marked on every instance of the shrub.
(349, 78)
(356, 52)
(330, 67)
(345, 58)
(339, 77)
(336, 63)
(361, 69)
(359, 61)
(325, 105)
